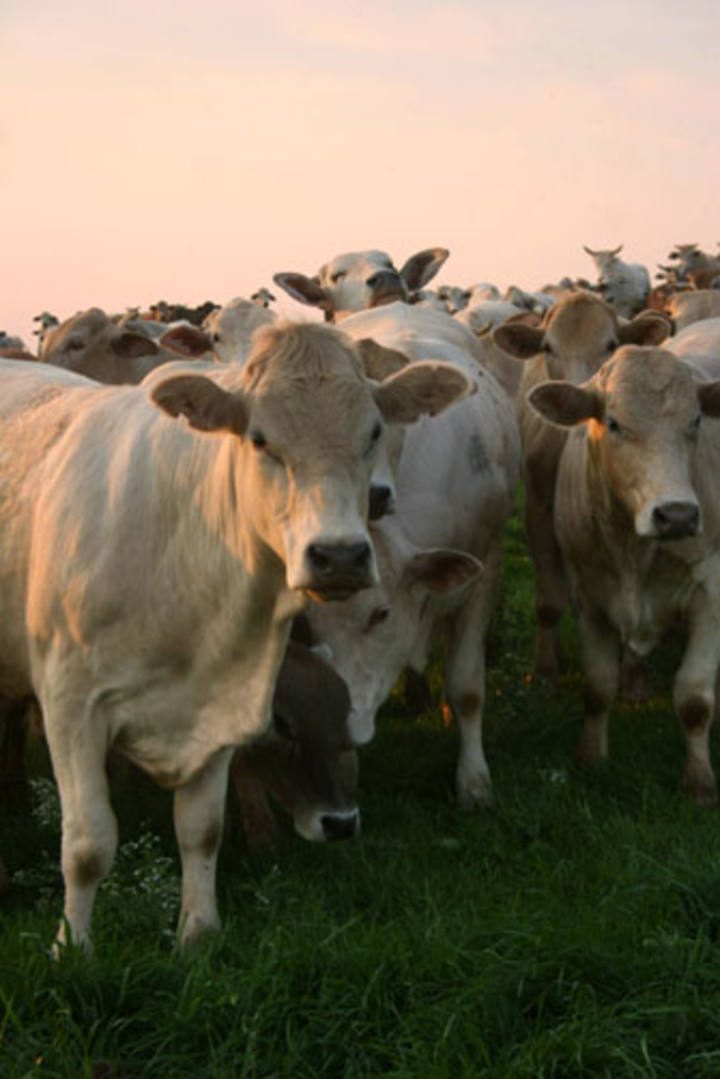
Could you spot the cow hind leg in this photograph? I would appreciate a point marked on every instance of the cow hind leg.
(694, 694)
(550, 586)
(465, 686)
(199, 811)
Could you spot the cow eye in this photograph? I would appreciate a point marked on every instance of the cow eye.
(610, 347)
(695, 426)
(612, 425)
(335, 277)
(374, 436)
(216, 337)
(547, 347)
(283, 728)
(377, 616)
(73, 345)
(258, 440)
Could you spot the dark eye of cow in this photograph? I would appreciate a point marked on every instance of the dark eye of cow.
(374, 436)
(73, 345)
(547, 347)
(377, 616)
(695, 426)
(258, 440)
(216, 337)
(283, 728)
(337, 276)
(612, 425)
(610, 347)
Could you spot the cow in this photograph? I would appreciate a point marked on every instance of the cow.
(359, 280)
(440, 554)
(306, 760)
(230, 328)
(263, 297)
(625, 285)
(699, 344)
(577, 335)
(693, 306)
(637, 518)
(91, 344)
(156, 541)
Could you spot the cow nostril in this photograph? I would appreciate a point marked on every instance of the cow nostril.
(339, 826)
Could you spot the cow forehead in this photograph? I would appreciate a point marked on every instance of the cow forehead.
(301, 375)
(580, 317)
(356, 263)
(648, 382)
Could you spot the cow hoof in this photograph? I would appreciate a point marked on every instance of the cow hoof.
(195, 929)
(477, 794)
(703, 794)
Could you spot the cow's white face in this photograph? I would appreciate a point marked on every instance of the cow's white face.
(644, 411)
(376, 634)
(359, 280)
(308, 427)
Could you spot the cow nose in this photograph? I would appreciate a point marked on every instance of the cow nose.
(674, 520)
(384, 279)
(340, 825)
(380, 500)
(351, 560)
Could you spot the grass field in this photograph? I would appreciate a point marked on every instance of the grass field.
(572, 931)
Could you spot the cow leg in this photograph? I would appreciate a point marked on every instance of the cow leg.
(199, 811)
(694, 696)
(600, 646)
(465, 685)
(550, 584)
(89, 827)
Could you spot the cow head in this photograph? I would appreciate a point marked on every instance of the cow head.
(362, 279)
(376, 634)
(643, 411)
(306, 760)
(307, 426)
(577, 335)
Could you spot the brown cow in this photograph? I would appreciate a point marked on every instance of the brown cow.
(577, 335)
(637, 517)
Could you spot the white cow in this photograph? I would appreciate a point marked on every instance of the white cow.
(456, 481)
(637, 516)
(625, 285)
(232, 326)
(358, 280)
(155, 543)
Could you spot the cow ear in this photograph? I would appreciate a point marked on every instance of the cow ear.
(709, 394)
(442, 570)
(422, 267)
(380, 362)
(304, 289)
(423, 388)
(133, 345)
(647, 328)
(518, 339)
(564, 403)
(187, 341)
(205, 404)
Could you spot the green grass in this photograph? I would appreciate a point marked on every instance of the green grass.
(572, 931)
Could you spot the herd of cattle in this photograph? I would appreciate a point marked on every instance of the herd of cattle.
(221, 544)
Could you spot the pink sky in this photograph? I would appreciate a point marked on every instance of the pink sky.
(188, 151)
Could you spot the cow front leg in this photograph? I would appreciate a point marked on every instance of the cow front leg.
(199, 810)
(694, 696)
(89, 827)
(600, 645)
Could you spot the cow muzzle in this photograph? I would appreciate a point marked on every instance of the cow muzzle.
(676, 520)
(385, 287)
(336, 571)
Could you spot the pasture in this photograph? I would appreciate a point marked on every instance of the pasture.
(571, 931)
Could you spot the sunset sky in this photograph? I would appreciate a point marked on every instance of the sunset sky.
(187, 151)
